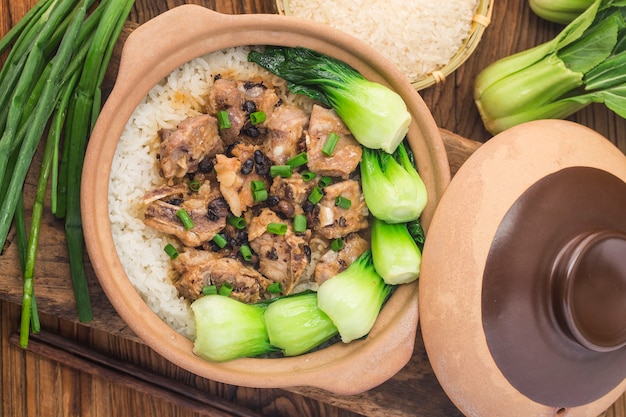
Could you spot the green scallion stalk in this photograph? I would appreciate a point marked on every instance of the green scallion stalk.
(223, 119)
(82, 113)
(225, 289)
(220, 240)
(22, 244)
(194, 185)
(49, 94)
(185, 218)
(259, 195)
(343, 202)
(301, 159)
(257, 117)
(31, 252)
(325, 181)
(56, 52)
(316, 195)
(257, 185)
(308, 176)
(277, 228)
(246, 252)
(237, 222)
(209, 290)
(330, 144)
(171, 251)
(283, 171)
(337, 244)
(299, 223)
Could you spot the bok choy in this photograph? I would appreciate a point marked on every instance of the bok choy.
(376, 116)
(353, 298)
(228, 329)
(295, 324)
(559, 11)
(584, 64)
(396, 256)
(394, 191)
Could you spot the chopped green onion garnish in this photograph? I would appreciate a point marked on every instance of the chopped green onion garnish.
(257, 117)
(337, 244)
(257, 185)
(194, 185)
(329, 145)
(280, 171)
(277, 228)
(171, 251)
(246, 252)
(325, 181)
(316, 195)
(275, 288)
(259, 195)
(223, 119)
(209, 290)
(308, 176)
(238, 222)
(299, 223)
(343, 202)
(225, 289)
(185, 218)
(220, 240)
(298, 160)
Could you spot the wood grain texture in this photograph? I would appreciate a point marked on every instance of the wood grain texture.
(45, 383)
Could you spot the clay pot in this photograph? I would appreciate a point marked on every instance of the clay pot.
(153, 51)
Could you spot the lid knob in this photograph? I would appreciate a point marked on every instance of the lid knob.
(589, 289)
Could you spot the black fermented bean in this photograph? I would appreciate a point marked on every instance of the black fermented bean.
(272, 200)
(249, 106)
(247, 166)
(252, 131)
(307, 206)
(206, 165)
(259, 158)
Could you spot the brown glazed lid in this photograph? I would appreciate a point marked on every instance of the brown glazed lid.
(522, 291)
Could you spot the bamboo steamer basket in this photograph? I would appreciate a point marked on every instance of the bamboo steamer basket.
(480, 21)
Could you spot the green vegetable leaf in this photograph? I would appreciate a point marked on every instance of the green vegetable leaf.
(609, 73)
(593, 48)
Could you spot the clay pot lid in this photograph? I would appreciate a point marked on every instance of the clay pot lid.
(522, 292)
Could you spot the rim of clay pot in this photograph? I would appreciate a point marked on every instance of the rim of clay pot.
(153, 51)
(478, 308)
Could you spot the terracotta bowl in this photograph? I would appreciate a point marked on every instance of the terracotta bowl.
(153, 51)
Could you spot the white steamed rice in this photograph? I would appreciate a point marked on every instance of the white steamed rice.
(419, 36)
(134, 172)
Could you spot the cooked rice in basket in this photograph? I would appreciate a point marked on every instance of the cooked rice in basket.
(418, 36)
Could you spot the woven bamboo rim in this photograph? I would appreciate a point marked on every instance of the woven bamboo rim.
(480, 21)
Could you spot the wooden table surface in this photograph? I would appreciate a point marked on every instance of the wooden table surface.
(101, 368)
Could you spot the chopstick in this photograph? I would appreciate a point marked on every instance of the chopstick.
(66, 352)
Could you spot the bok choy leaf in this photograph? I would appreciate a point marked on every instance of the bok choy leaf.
(584, 64)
